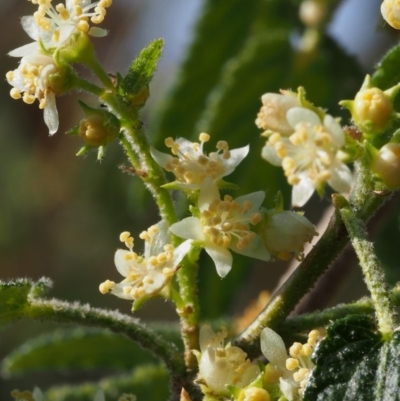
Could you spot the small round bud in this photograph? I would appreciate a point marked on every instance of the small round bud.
(372, 107)
(387, 165)
(312, 12)
(391, 13)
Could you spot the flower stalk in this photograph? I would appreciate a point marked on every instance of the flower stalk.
(373, 273)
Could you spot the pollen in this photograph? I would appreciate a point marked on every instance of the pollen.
(106, 287)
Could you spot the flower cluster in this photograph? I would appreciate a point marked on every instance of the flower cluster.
(308, 148)
(146, 275)
(222, 225)
(293, 369)
(51, 28)
(222, 365)
(191, 165)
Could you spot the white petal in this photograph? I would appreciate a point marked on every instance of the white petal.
(255, 198)
(221, 257)
(208, 192)
(97, 32)
(118, 291)
(39, 59)
(189, 228)
(288, 390)
(180, 252)
(297, 115)
(50, 113)
(256, 249)
(66, 30)
(341, 178)
(158, 281)
(302, 192)
(207, 335)
(161, 158)
(121, 263)
(30, 27)
(161, 238)
(30, 48)
(273, 348)
(237, 155)
(336, 130)
(269, 154)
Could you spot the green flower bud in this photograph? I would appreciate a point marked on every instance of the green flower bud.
(386, 165)
(285, 233)
(372, 109)
(63, 80)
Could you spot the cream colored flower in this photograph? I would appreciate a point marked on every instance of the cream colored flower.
(272, 116)
(191, 165)
(52, 26)
(30, 81)
(148, 274)
(224, 225)
(221, 365)
(294, 369)
(310, 156)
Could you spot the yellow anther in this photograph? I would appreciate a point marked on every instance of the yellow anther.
(293, 179)
(169, 142)
(148, 280)
(106, 287)
(162, 258)
(314, 334)
(28, 99)
(226, 226)
(222, 145)
(168, 272)
(189, 177)
(292, 363)
(306, 350)
(274, 138)
(145, 236)
(255, 218)
(301, 374)
(42, 103)
(128, 256)
(15, 93)
(228, 198)
(153, 261)
(295, 349)
(124, 236)
(203, 137)
(288, 164)
(280, 149)
(83, 26)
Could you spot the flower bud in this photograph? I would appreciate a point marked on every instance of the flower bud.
(78, 50)
(391, 13)
(372, 109)
(312, 12)
(285, 233)
(387, 165)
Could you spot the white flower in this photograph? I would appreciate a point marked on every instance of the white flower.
(295, 369)
(272, 116)
(310, 156)
(221, 365)
(36, 395)
(53, 26)
(191, 165)
(224, 225)
(148, 274)
(30, 81)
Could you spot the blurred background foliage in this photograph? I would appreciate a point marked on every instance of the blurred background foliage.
(60, 215)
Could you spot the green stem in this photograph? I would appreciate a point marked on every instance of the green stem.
(64, 312)
(374, 275)
(310, 321)
(187, 279)
(88, 86)
(317, 261)
(138, 150)
(94, 65)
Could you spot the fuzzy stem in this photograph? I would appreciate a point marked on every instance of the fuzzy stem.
(88, 86)
(64, 312)
(374, 275)
(309, 321)
(331, 243)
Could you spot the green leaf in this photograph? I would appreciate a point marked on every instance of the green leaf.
(220, 33)
(13, 299)
(355, 363)
(387, 73)
(81, 348)
(146, 382)
(135, 86)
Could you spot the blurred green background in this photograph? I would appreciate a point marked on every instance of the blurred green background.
(60, 215)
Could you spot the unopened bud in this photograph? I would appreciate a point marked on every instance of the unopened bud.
(387, 165)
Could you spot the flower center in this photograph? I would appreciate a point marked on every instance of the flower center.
(191, 166)
(225, 220)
